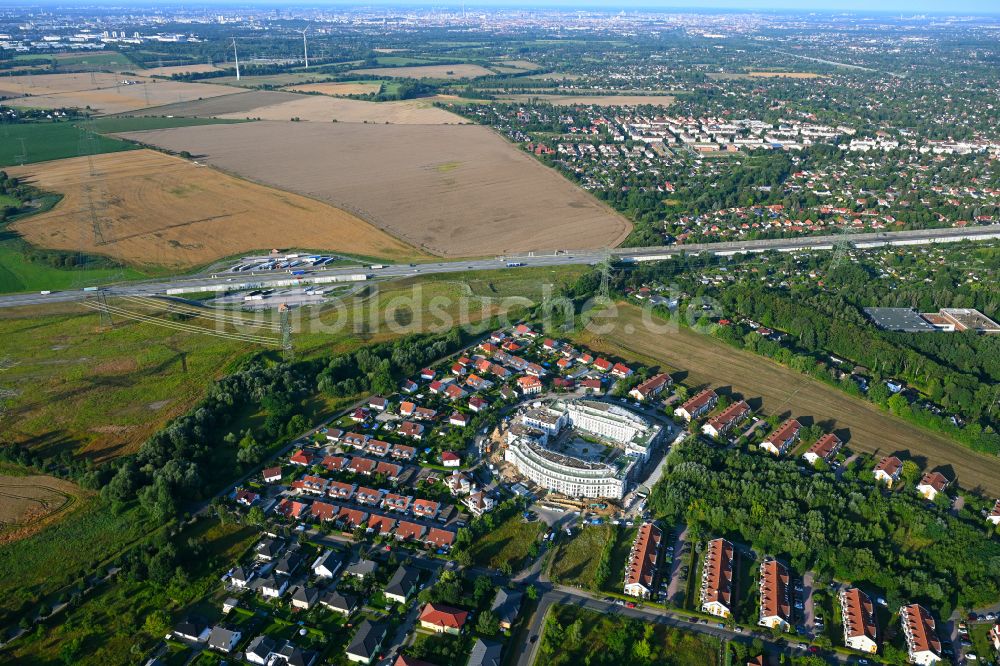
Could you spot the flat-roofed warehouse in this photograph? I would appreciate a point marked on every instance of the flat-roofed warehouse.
(906, 320)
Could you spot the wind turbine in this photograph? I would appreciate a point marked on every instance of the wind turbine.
(305, 48)
(237, 56)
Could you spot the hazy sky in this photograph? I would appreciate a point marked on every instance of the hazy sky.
(908, 7)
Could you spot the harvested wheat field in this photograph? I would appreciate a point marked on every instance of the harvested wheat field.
(28, 503)
(449, 190)
(276, 105)
(785, 392)
(335, 89)
(170, 70)
(160, 210)
(593, 100)
(461, 71)
(54, 84)
(106, 99)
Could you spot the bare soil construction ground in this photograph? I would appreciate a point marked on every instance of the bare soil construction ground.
(335, 88)
(786, 392)
(29, 503)
(275, 105)
(105, 94)
(460, 71)
(595, 100)
(449, 190)
(198, 68)
(163, 210)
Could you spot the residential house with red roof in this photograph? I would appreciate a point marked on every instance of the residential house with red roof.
(378, 403)
(459, 419)
(407, 531)
(361, 466)
(335, 463)
(775, 604)
(351, 518)
(426, 508)
(450, 459)
(355, 440)
(322, 512)
(438, 538)
(411, 430)
(529, 385)
(291, 509)
(381, 525)
(621, 370)
(479, 503)
(390, 470)
(695, 407)
(931, 484)
(303, 458)
(340, 490)
(377, 447)
(455, 392)
(369, 496)
(640, 571)
(858, 613)
(403, 452)
(443, 619)
(651, 388)
(778, 442)
(272, 475)
(919, 629)
(888, 470)
(603, 364)
(722, 423)
(717, 579)
(477, 404)
(246, 497)
(395, 502)
(825, 448)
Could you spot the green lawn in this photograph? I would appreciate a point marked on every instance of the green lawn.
(574, 635)
(619, 558)
(575, 562)
(508, 544)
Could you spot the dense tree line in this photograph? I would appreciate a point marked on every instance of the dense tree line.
(847, 528)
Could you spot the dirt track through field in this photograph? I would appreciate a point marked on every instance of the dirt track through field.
(450, 190)
(788, 393)
(162, 210)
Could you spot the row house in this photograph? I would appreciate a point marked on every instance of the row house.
(340, 490)
(640, 572)
(377, 447)
(621, 371)
(994, 516)
(369, 496)
(380, 525)
(355, 440)
(775, 607)
(922, 643)
(782, 439)
(825, 448)
(395, 502)
(426, 508)
(403, 452)
(717, 579)
(860, 630)
(695, 407)
(722, 423)
(364, 466)
(335, 463)
(651, 388)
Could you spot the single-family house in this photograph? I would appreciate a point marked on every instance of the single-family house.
(327, 565)
(403, 584)
(223, 639)
(506, 606)
(364, 647)
(443, 619)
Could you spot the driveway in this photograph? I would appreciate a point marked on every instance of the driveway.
(809, 616)
(675, 590)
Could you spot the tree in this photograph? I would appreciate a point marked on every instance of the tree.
(488, 624)
(255, 516)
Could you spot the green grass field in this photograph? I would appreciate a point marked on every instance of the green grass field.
(576, 560)
(508, 544)
(28, 143)
(624, 538)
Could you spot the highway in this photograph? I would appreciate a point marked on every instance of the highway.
(227, 280)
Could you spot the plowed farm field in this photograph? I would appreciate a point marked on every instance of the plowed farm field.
(448, 190)
(154, 209)
(784, 392)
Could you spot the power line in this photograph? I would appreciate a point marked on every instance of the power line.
(179, 326)
(221, 317)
